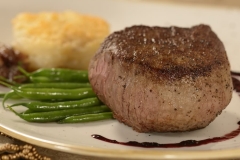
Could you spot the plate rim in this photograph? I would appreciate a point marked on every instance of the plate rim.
(123, 154)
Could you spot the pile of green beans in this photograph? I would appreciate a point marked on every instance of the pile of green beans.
(56, 95)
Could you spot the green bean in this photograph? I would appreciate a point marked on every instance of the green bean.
(51, 106)
(55, 93)
(53, 116)
(52, 93)
(63, 85)
(13, 96)
(28, 111)
(2, 95)
(7, 80)
(40, 79)
(9, 95)
(87, 118)
(57, 75)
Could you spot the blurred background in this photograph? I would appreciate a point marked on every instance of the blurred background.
(222, 15)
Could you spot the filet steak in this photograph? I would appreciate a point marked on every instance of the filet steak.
(160, 79)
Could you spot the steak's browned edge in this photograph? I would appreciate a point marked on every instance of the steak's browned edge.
(163, 79)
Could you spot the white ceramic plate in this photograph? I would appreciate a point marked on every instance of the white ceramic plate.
(76, 138)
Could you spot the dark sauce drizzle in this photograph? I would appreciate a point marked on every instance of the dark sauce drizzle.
(186, 143)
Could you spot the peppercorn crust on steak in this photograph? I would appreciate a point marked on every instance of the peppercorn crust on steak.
(158, 79)
(50, 39)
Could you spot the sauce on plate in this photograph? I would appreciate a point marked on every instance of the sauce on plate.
(186, 143)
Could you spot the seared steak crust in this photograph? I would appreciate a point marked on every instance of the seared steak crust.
(163, 79)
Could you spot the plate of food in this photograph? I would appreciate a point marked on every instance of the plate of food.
(122, 79)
